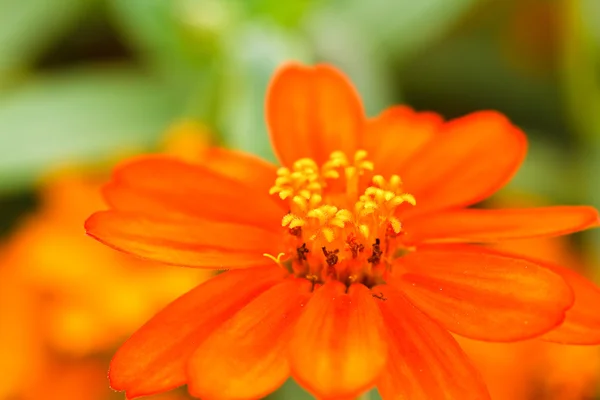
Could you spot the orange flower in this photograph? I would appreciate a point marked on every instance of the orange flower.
(66, 301)
(364, 273)
(78, 316)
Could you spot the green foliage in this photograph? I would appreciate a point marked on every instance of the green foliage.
(28, 27)
(216, 55)
(178, 37)
(78, 117)
(249, 62)
(290, 390)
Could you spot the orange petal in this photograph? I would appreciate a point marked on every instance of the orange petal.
(395, 135)
(311, 112)
(483, 296)
(468, 160)
(161, 185)
(185, 242)
(424, 360)
(338, 347)
(475, 225)
(246, 358)
(582, 324)
(153, 360)
(243, 167)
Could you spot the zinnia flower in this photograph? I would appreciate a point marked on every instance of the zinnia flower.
(349, 264)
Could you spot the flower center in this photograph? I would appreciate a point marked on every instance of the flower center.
(342, 221)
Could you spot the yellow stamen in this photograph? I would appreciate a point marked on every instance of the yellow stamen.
(276, 259)
(326, 202)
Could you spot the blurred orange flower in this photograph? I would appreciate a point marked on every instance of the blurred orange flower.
(343, 276)
(65, 300)
(20, 349)
(90, 302)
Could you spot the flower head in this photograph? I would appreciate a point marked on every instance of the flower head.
(349, 264)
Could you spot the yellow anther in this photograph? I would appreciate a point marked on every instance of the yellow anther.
(372, 191)
(315, 200)
(276, 259)
(328, 234)
(360, 155)
(395, 201)
(328, 219)
(285, 221)
(365, 206)
(409, 198)
(361, 163)
(305, 193)
(285, 193)
(314, 186)
(403, 198)
(344, 215)
(379, 181)
(301, 202)
(387, 195)
(296, 223)
(395, 182)
(292, 221)
(366, 166)
(323, 213)
(350, 172)
(364, 230)
(283, 171)
(303, 181)
(396, 224)
(337, 223)
(306, 165)
(339, 158)
(331, 174)
(326, 203)
(282, 180)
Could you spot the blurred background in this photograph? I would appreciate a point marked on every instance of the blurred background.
(85, 83)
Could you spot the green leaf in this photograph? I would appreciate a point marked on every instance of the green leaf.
(547, 171)
(175, 35)
(79, 117)
(181, 40)
(362, 36)
(290, 390)
(580, 59)
(284, 13)
(28, 27)
(468, 72)
(395, 27)
(251, 57)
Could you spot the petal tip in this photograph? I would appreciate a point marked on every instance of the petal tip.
(91, 223)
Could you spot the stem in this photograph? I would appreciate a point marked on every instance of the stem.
(581, 83)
